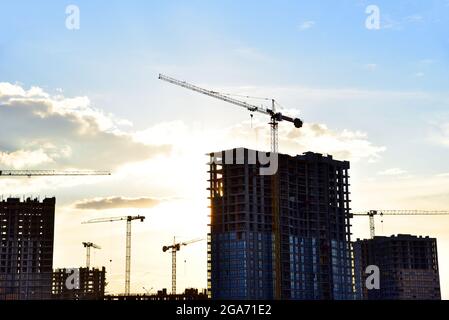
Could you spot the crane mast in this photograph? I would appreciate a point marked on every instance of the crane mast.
(128, 220)
(89, 245)
(372, 213)
(175, 247)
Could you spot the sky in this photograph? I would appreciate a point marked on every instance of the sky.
(90, 98)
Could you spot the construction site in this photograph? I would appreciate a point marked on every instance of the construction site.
(280, 236)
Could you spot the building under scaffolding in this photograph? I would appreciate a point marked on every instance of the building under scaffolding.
(26, 251)
(315, 249)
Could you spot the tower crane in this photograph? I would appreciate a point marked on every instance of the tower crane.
(372, 213)
(175, 247)
(128, 220)
(89, 245)
(44, 173)
(275, 118)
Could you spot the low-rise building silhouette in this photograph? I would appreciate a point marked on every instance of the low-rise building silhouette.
(408, 267)
(87, 284)
(162, 295)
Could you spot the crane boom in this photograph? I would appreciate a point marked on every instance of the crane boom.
(192, 241)
(275, 116)
(372, 213)
(42, 173)
(404, 212)
(113, 219)
(216, 95)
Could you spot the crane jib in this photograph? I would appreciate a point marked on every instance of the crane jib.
(275, 116)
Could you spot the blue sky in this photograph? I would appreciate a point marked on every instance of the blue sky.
(380, 96)
(121, 46)
(123, 38)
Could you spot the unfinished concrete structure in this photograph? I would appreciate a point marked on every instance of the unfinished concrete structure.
(26, 251)
(315, 248)
(408, 267)
(90, 284)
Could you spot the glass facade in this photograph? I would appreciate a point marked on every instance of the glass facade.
(242, 265)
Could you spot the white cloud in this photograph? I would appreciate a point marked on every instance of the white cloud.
(9, 89)
(15, 90)
(24, 159)
(38, 129)
(343, 145)
(419, 74)
(305, 25)
(117, 203)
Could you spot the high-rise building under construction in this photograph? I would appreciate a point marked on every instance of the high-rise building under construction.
(314, 254)
(26, 251)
